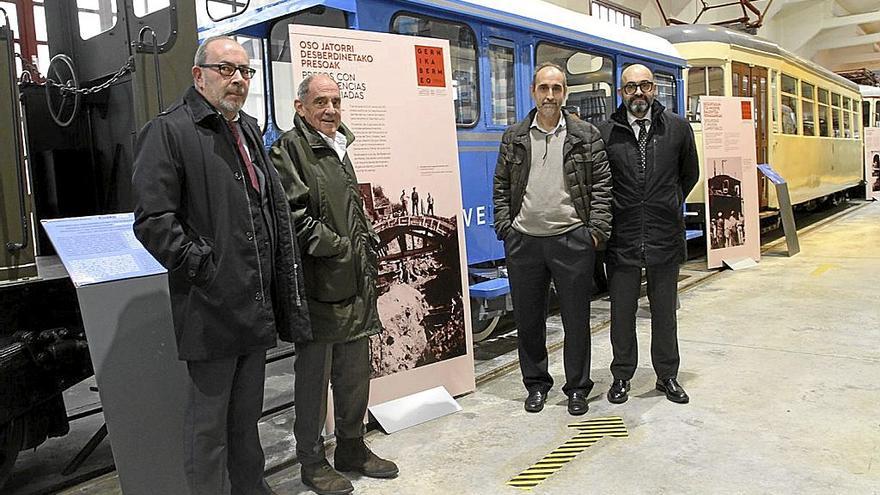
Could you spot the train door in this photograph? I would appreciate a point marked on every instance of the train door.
(752, 81)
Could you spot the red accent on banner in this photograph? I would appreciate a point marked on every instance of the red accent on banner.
(746, 110)
(429, 66)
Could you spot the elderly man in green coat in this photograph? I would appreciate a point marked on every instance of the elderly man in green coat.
(340, 268)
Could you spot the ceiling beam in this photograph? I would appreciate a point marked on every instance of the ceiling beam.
(830, 42)
(850, 20)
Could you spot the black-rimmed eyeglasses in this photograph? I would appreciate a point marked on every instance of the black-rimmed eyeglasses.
(645, 86)
(227, 70)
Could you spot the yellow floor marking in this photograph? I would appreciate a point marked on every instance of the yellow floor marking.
(589, 432)
(824, 267)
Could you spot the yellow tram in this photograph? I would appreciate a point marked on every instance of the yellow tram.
(807, 119)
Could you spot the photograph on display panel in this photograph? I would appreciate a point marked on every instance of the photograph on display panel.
(727, 228)
(419, 300)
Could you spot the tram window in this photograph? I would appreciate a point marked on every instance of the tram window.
(463, 53)
(823, 113)
(144, 7)
(866, 113)
(502, 83)
(221, 9)
(775, 112)
(807, 108)
(283, 92)
(876, 113)
(856, 121)
(789, 105)
(255, 105)
(835, 115)
(665, 90)
(590, 79)
(699, 79)
(847, 118)
(95, 17)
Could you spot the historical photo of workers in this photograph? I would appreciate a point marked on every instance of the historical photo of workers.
(727, 225)
(419, 290)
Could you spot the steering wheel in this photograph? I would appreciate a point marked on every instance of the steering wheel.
(62, 87)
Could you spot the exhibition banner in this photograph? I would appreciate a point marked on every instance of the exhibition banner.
(731, 187)
(872, 162)
(397, 99)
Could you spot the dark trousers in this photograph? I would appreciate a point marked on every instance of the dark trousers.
(222, 447)
(345, 365)
(623, 287)
(532, 262)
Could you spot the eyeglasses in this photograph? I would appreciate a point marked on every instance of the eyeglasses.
(645, 86)
(227, 70)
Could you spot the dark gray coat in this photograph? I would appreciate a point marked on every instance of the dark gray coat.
(648, 212)
(586, 174)
(339, 245)
(193, 215)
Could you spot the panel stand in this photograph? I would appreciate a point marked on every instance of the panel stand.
(143, 386)
(785, 209)
(420, 407)
(739, 264)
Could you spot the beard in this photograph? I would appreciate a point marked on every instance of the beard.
(230, 106)
(638, 106)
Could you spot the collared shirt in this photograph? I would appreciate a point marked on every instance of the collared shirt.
(337, 143)
(547, 208)
(635, 127)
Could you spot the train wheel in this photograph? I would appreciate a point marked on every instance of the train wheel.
(10, 443)
(482, 329)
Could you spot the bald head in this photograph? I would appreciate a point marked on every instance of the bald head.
(319, 103)
(637, 89)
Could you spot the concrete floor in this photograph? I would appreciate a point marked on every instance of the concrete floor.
(782, 364)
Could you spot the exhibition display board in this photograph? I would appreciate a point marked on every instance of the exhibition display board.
(872, 162)
(731, 187)
(398, 99)
(126, 310)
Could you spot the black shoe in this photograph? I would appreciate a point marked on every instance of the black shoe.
(535, 401)
(617, 392)
(577, 403)
(352, 454)
(673, 390)
(324, 480)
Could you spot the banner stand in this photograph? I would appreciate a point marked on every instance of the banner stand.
(740, 263)
(414, 409)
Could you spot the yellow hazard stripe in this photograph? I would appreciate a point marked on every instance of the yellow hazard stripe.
(589, 432)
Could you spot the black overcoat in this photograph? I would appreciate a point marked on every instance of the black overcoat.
(192, 213)
(648, 207)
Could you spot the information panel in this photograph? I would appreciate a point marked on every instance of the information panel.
(397, 98)
(872, 162)
(100, 248)
(731, 187)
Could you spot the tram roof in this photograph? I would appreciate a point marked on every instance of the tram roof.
(873, 91)
(532, 15)
(695, 33)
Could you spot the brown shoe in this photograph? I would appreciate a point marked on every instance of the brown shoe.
(352, 454)
(324, 480)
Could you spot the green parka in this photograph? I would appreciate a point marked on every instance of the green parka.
(339, 246)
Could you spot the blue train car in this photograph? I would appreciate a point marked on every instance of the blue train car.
(495, 45)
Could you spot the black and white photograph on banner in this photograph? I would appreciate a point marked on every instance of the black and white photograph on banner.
(419, 299)
(727, 227)
(875, 171)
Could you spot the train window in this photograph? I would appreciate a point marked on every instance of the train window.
(856, 121)
(590, 79)
(222, 9)
(808, 108)
(283, 92)
(866, 113)
(876, 113)
(144, 7)
(255, 105)
(775, 113)
(463, 52)
(95, 17)
(702, 81)
(502, 82)
(835, 115)
(823, 113)
(789, 105)
(847, 118)
(665, 90)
